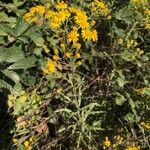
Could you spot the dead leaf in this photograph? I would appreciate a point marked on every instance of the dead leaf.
(42, 128)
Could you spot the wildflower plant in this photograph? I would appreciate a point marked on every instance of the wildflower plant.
(76, 74)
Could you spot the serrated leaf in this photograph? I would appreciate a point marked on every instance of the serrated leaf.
(35, 36)
(7, 29)
(4, 18)
(21, 27)
(37, 39)
(14, 54)
(24, 63)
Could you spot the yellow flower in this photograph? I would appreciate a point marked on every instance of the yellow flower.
(61, 5)
(29, 148)
(14, 140)
(73, 36)
(31, 139)
(78, 55)
(139, 51)
(77, 46)
(62, 45)
(89, 35)
(26, 144)
(106, 143)
(55, 57)
(100, 7)
(81, 19)
(93, 23)
(31, 15)
(147, 26)
(68, 54)
(50, 68)
(38, 9)
(132, 147)
(58, 18)
(72, 9)
(49, 14)
(79, 63)
(28, 16)
(147, 11)
(34, 19)
(146, 125)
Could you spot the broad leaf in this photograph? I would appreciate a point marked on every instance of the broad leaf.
(24, 63)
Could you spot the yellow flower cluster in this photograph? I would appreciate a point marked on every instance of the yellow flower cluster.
(28, 143)
(81, 19)
(61, 6)
(50, 67)
(69, 55)
(56, 19)
(147, 11)
(77, 56)
(141, 90)
(90, 35)
(34, 13)
(100, 6)
(146, 125)
(131, 43)
(107, 144)
(133, 147)
(137, 53)
(57, 16)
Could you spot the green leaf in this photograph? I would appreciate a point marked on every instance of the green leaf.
(4, 18)
(24, 63)
(37, 39)
(5, 85)
(3, 55)
(12, 75)
(21, 27)
(120, 99)
(132, 104)
(146, 91)
(14, 54)
(120, 33)
(17, 88)
(20, 147)
(7, 29)
(34, 34)
(2, 31)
